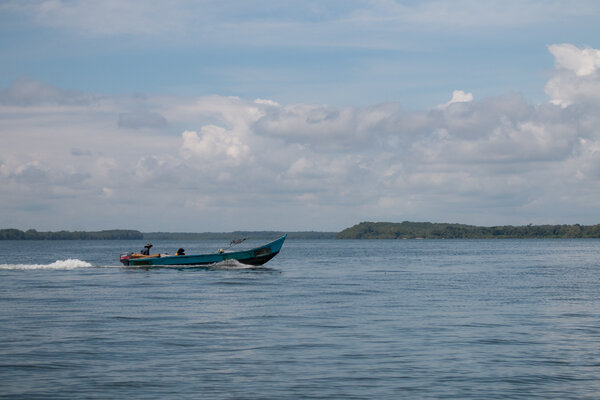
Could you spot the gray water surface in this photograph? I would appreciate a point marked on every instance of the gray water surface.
(330, 319)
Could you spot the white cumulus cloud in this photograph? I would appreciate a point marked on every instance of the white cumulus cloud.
(575, 79)
(458, 96)
(580, 61)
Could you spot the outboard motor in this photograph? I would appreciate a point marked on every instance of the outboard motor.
(125, 259)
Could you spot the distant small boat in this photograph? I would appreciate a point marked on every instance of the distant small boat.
(255, 256)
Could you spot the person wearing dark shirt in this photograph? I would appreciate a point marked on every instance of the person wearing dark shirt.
(146, 250)
(180, 252)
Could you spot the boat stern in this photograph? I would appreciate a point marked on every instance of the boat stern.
(124, 259)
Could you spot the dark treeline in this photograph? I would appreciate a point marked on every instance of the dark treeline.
(120, 234)
(32, 234)
(428, 230)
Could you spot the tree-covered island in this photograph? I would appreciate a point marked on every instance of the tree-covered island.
(429, 230)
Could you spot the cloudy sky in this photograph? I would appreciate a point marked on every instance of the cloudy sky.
(297, 115)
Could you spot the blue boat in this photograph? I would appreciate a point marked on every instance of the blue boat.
(256, 256)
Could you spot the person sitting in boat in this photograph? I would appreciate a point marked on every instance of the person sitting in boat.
(180, 252)
(146, 250)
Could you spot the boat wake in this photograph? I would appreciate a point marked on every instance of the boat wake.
(58, 264)
(234, 265)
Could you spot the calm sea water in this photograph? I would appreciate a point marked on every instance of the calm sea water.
(463, 319)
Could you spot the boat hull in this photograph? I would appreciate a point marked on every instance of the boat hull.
(256, 256)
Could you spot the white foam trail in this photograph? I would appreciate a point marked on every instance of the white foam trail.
(231, 264)
(70, 263)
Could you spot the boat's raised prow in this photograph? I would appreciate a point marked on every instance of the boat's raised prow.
(256, 256)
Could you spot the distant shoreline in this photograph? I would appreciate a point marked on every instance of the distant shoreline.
(363, 230)
(128, 234)
(429, 230)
